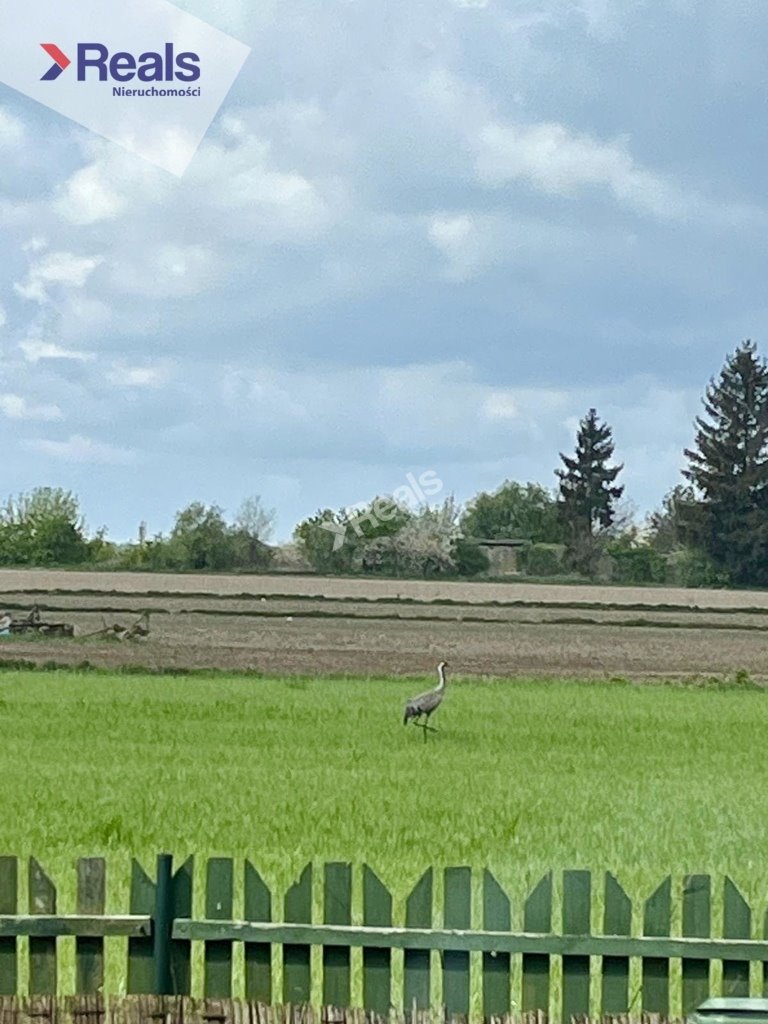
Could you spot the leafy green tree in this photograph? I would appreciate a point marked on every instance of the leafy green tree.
(728, 468)
(382, 517)
(43, 527)
(588, 494)
(102, 551)
(346, 541)
(326, 543)
(201, 539)
(514, 510)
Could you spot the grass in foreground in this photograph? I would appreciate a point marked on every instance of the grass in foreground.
(522, 778)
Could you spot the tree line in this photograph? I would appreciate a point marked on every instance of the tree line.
(711, 529)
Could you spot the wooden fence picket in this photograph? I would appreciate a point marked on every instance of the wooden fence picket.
(617, 920)
(181, 906)
(656, 922)
(9, 904)
(141, 966)
(377, 962)
(91, 899)
(219, 900)
(337, 909)
(297, 982)
(697, 917)
(457, 908)
(737, 924)
(537, 917)
(416, 970)
(42, 949)
(497, 917)
(258, 955)
(577, 920)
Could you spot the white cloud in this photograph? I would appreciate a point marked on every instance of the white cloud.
(500, 405)
(3, 317)
(450, 232)
(12, 132)
(35, 349)
(34, 244)
(168, 271)
(62, 268)
(82, 449)
(459, 238)
(123, 375)
(16, 407)
(556, 160)
(236, 176)
(90, 196)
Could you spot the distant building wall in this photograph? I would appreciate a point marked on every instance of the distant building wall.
(502, 556)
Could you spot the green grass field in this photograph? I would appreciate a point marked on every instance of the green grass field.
(523, 777)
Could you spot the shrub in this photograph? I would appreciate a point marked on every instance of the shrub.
(543, 560)
(689, 567)
(469, 558)
(640, 564)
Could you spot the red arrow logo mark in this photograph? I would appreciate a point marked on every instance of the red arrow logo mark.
(61, 61)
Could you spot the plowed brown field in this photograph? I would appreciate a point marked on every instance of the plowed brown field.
(311, 625)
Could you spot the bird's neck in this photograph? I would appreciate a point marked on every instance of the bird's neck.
(441, 674)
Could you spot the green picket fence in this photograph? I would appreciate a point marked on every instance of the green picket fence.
(591, 968)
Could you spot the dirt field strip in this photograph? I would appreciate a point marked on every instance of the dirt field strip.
(42, 580)
(313, 625)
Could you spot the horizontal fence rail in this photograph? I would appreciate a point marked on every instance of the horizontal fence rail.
(400, 964)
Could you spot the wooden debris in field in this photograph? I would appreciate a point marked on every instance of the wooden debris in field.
(34, 623)
(137, 630)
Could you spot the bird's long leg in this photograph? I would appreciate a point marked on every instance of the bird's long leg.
(427, 727)
(421, 725)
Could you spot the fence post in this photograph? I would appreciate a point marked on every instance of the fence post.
(162, 925)
(9, 889)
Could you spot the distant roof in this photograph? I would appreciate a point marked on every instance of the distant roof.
(508, 542)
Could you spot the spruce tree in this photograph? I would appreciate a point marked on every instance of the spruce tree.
(588, 493)
(729, 468)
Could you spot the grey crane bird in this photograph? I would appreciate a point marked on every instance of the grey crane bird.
(426, 703)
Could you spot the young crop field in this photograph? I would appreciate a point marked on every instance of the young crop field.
(523, 777)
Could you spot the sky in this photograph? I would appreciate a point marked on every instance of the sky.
(420, 235)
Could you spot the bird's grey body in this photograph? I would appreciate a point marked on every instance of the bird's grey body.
(426, 703)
